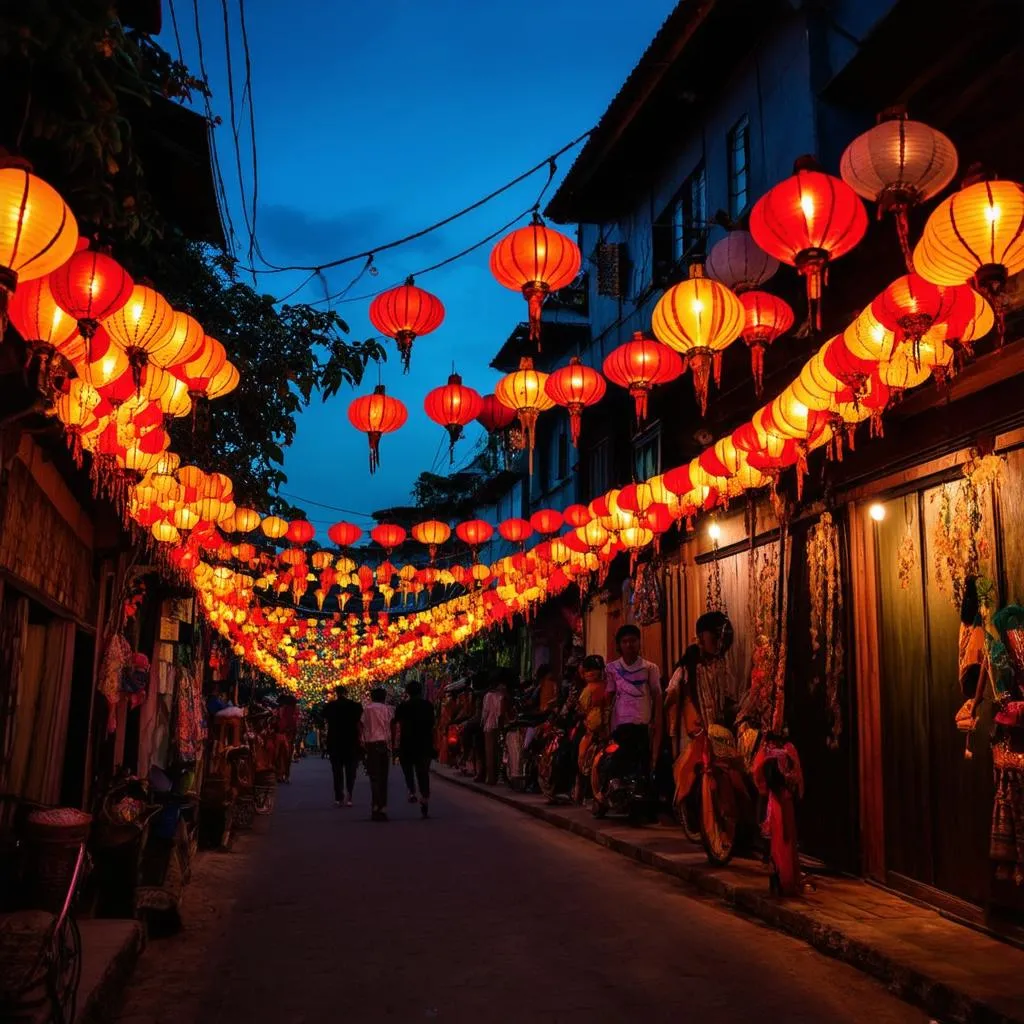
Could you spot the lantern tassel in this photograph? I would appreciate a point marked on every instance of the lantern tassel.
(757, 367)
(535, 294)
(374, 436)
(700, 366)
(404, 340)
(640, 393)
(899, 211)
(575, 422)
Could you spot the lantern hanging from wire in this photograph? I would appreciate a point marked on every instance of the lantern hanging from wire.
(535, 260)
(388, 536)
(300, 532)
(523, 391)
(807, 221)
(474, 532)
(738, 262)
(377, 414)
(898, 164)
(44, 327)
(910, 306)
(515, 531)
(453, 406)
(141, 326)
(765, 318)
(699, 318)
(344, 534)
(576, 387)
(38, 231)
(639, 366)
(406, 313)
(547, 521)
(433, 533)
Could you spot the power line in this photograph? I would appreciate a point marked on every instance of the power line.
(252, 123)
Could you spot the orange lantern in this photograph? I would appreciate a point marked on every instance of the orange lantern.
(377, 414)
(274, 527)
(37, 229)
(406, 313)
(432, 533)
(765, 319)
(243, 520)
(223, 382)
(575, 386)
(300, 532)
(184, 341)
(546, 520)
(40, 321)
(699, 318)
(911, 305)
(91, 286)
(141, 325)
(198, 371)
(535, 260)
(474, 532)
(807, 221)
(577, 515)
(388, 536)
(515, 531)
(453, 406)
(523, 391)
(344, 534)
(639, 365)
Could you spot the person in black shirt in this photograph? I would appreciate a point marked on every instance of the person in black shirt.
(414, 723)
(343, 717)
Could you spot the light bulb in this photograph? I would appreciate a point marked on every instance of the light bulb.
(714, 531)
(877, 511)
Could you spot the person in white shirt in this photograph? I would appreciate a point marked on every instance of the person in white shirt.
(634, 699)
(375, 732)
(493, 716)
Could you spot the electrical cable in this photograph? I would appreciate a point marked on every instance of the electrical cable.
(247, 89)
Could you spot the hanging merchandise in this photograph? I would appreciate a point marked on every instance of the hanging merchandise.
(824, 564)
(906, 553)
(647, 595)
(116, 661)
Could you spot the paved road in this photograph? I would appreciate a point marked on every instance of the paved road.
(479, 915)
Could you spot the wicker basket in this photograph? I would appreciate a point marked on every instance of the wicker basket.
(53, 839)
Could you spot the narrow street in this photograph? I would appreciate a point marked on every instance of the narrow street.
(477, 914)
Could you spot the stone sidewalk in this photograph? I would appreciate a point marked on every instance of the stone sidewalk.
(953, 971)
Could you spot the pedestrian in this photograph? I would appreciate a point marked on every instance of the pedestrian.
(375, 730)
(342, 717)
(414, 723)
(287, 728)
(493, 716)
(634, 698)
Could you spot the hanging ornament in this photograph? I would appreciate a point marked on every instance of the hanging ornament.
(576, 387)
(523, 391)
(388, 536)
(344, 534)
(44, 327)
(766, 318)
(433, 534)
(141, 326)
(453, 406)
(807, 221)
(377, 414)
(535, 260)
(406, 313)
(738, 262)
(640, 365)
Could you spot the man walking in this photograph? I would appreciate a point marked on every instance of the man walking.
(375, 730)
(414, 723)
(343, 717)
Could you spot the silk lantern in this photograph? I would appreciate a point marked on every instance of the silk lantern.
(406, 313)
(576, 387)
(377, 414)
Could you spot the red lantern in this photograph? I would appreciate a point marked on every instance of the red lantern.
(535, 260)
(388, 536)
(90, 287)
(577, 516)
(406, 313)
(575, 386)
(433, 533)
(765, 319)
(474, 532)
(639, 365)
(40, 321)
(807, 221)
(494, 416)
(300, 532)
(546, 520)
(911, 305)
(515, 531)
(344, 534)
(376, 415)
(453, 406)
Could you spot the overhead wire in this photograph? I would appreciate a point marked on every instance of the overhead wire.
(247, 90)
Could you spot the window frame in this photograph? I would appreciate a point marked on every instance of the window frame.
(738, 172)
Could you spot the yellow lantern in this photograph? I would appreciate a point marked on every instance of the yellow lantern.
(524, 392)
(223, 382)
(274, 527)
(165, 532)
(142, 326)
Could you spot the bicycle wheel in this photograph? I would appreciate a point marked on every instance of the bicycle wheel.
(688, 814)
(65, 971)
(717, 817)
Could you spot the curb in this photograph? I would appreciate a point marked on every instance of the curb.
(97, 1004)
(942, 1001)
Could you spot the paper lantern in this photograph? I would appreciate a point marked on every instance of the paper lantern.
(223, 382)
(40, 321)
(577, 515)
(377, 414)
(699, 318)
(576, 387)
(432, 533)
(388, 536)
(474, 532)
(198, 371)
(184, 341)
(899, 164)
(807, 221)
(243, 520)
(494, 416)
(523, 391)
(141, 325)
(274, 527)
(535, 260)
(515, 531)
(546, 520)
(300, 532)
(344, 534)
(37, 229)
(406, 313)
(738, 262)
(453, 405)
(765, 318)
(639, 365)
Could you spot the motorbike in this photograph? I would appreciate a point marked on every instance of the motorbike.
(620, 785)
(556, 761)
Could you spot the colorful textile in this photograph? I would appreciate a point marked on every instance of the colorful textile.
(190, 717)
(116, 659)
(1007, 846)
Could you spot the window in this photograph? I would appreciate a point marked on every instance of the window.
(599, 468)
(738, 143)
(682, 225)
(647, 455)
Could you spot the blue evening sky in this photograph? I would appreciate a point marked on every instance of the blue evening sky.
(375, 118)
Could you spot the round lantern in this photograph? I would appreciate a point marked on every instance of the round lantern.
(377, 414)
(535, 260)
(523, 391)
(738, 262)
(433, 533)
(765, 318)
(976, 233)
(577, 515)
(546, 521)
(639, 365)
(223, 382)
(198, 371)
(575, 386)
(898, 164)
(300, 532)
(494, 416)
(453, 406)
(388, 536)
(515, 531)
(37, 229)
(406, 313)
(274, 527)
(699, 318)
(344, 534)
(184, 341)
(243, 520)
(141, 325)
(474, 532)
(40, 321)
(807, 221)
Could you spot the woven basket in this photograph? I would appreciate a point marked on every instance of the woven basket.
(53, 839)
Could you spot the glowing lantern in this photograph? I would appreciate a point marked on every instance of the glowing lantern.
(898, 164)
(243, 520)
(198, 371)
(738, 262)
(40, 321)
(967, 324)
(765, 319)
(494, 416)
(406, 313)
(453, 406)
(108, 367)
(223, 382)
(515, 531)
(807, 221)
(166, 533)
(911, 305)
(141, 325)
(546, 520)
(577, 515)
(377, 414)
(76, 410)
(388, 536)
(523, 391)
(976, 233)
(639, 365)
(433, 533)
(900, 373)
(594, 536)
(344, 534)
(635, 539)
(866, 338)
(184, 341)
(274, 527)
(699, 318)
(37, 229)
(575, 386)
(300, 532)
(535, 260)
(474, 532)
